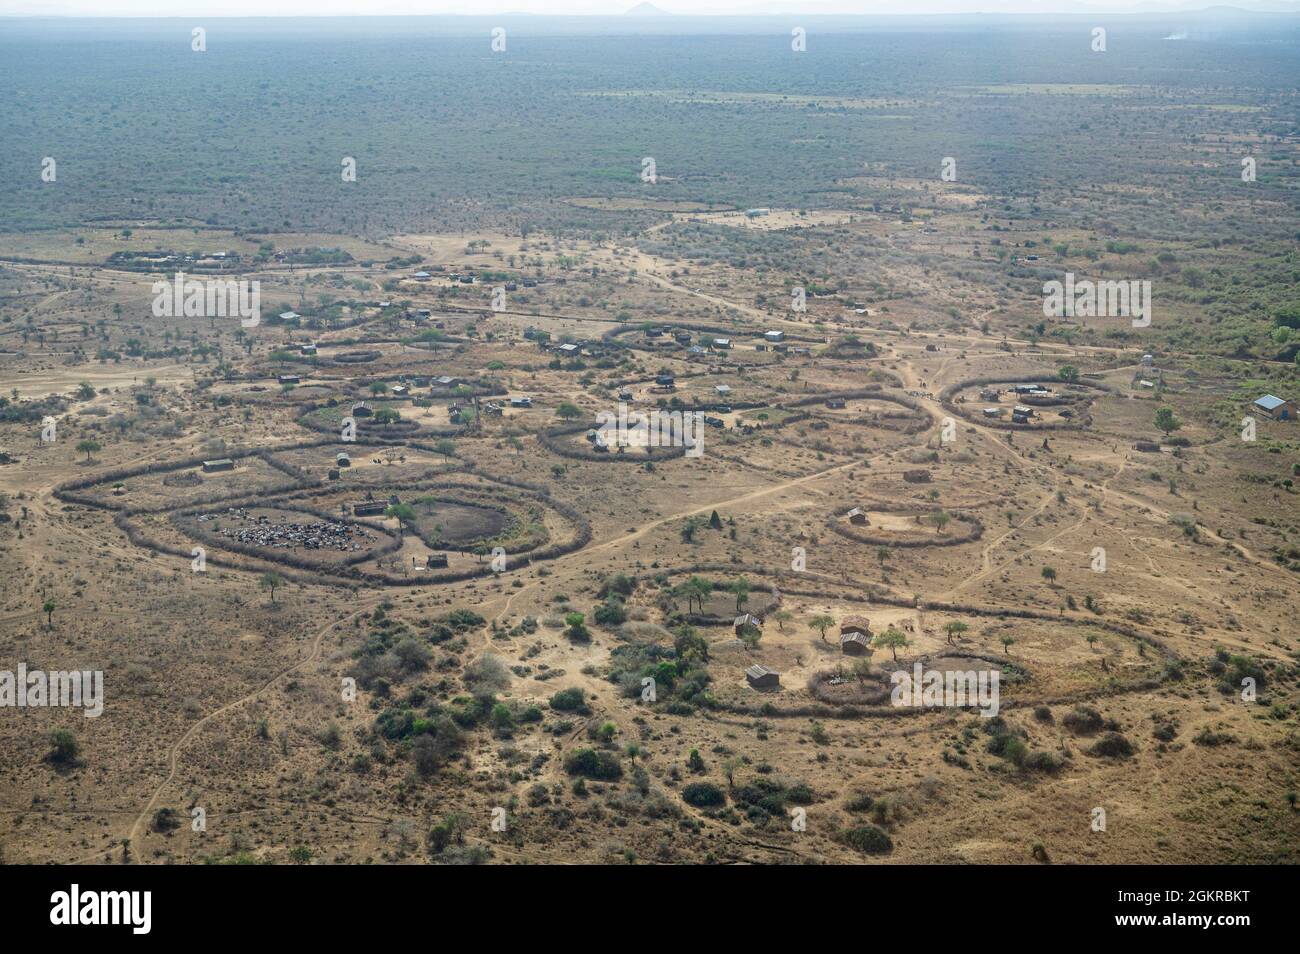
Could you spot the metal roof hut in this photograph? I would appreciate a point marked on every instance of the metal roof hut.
(855, 643)
(852, 624)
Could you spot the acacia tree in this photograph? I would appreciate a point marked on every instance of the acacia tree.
(893, 640)
(577, 629)
(955, 628)
(87, 447)
(271, 581)
(729, 768)
(740, 587)
(1167, 421)
(405, 515)
(821, 623)
(693, 590)
(48, 609)
(1049, 574)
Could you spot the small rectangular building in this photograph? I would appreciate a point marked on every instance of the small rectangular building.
(369, 508)
(761, 677)
(1274, 407)
(223, 463)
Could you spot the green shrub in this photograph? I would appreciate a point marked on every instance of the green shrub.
(1112, 745)
(869, 840)
(703, 795)
(1042, 762)
(1084, 720)
(568, 700)
(859, 803)
(589, 763)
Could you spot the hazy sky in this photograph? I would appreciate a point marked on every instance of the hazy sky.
(230, 8)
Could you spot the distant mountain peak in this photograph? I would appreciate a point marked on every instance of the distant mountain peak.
(646, 9)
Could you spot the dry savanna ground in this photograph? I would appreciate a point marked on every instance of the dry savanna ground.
(461, 670)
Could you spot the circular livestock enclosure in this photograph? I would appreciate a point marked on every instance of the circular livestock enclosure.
(571, 441)
(918, 420)
(1072, 403)
(447, 522)
(302, 525)
(313, 538)
(325, 418)
(1053, 664)
(880, 524)
(357, 356)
